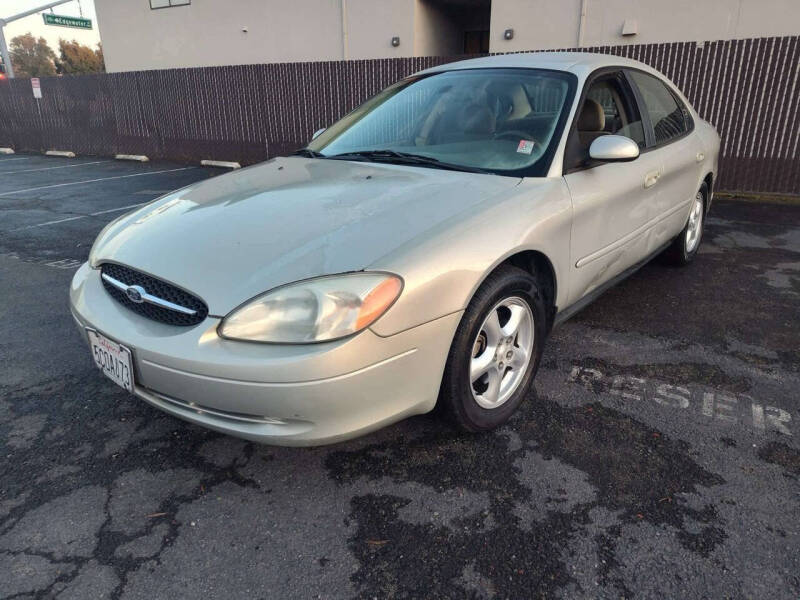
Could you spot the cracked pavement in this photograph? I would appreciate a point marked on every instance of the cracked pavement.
(657, 455)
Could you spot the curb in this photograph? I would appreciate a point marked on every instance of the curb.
(6, 151)
(136, 157)
(221, 163)
(64, 153)
(755, 198)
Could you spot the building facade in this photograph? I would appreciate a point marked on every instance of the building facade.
(158, 34)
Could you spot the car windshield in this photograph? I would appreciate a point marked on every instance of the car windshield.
(499, 120)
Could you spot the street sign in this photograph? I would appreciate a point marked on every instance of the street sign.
(63, 21)
(37, 87)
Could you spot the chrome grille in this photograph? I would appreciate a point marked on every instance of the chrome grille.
(152, 297)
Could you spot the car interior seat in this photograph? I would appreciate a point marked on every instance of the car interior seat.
(591, 123)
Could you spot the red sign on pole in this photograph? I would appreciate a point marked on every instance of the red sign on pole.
(37, 87)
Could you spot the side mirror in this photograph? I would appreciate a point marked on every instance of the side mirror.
(614, 148)
(318, 132)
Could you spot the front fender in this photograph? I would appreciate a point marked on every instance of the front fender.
(443, 268)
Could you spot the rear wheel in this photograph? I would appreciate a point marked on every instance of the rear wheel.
(684, 247)
(495, 352)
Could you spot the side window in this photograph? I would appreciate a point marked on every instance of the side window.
(602, 94)
(608, 108)
(619, 110)
(669, 119)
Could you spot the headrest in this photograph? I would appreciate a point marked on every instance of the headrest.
(592, 117)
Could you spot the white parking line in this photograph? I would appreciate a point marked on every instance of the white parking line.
(51, 222)
(94, 214)
(97, 162)
(56, 185)
(2, 160)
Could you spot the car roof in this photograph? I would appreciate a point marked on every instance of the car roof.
(579, 63)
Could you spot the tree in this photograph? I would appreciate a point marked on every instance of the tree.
(100, 57)
(77, 58)
(31, 57)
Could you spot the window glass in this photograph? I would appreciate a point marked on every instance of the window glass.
(493, 119)
(665, 113)
(617, 120)
(633, 130)
(601, 93)
(168, 3)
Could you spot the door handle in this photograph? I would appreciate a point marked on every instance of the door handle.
(700, 156)
(651, 179)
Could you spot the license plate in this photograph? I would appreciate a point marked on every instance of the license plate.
(113, 359)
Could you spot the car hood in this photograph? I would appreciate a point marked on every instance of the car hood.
(235, 236)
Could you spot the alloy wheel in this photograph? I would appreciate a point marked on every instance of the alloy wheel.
(695, 226)
(501, 352)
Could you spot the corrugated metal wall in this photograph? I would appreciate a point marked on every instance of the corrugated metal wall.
(747, 88)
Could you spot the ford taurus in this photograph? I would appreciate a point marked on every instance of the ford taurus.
(418, 251)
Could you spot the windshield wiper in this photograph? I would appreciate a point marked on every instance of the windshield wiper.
(308, 153)
(403, 158)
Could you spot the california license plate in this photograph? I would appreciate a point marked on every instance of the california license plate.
(113, 359)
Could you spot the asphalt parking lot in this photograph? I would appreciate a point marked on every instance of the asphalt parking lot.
(658, 455)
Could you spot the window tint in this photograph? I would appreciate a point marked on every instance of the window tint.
(666, 114)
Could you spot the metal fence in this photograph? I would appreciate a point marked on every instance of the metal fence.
(747, 88)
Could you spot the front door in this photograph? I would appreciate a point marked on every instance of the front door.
(612, 202)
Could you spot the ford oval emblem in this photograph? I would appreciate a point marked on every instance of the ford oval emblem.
(135, 293)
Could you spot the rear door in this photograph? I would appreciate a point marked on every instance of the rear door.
(679, 152)
(612, 202)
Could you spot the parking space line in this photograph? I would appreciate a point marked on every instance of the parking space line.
(97, 162)
(52, 222)
(57, 185)
(75, 218)
(17, 158)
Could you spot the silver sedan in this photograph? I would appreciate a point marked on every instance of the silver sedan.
(418, 251)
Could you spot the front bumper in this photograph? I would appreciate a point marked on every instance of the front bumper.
(290, 395)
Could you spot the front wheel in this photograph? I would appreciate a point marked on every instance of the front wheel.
(684, 247)
(495, 352)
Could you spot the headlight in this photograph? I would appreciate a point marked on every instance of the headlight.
(315, 310)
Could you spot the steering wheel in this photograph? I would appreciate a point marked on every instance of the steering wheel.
(513, 134)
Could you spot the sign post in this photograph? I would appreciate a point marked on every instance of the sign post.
(64, 21)
(36, 86)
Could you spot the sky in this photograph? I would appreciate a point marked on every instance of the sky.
(51, 33)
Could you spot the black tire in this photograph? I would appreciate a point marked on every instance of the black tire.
(677, 254)
(456, 400)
